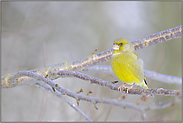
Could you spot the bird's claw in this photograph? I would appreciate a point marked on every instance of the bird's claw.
(127, 88)
(120, 87)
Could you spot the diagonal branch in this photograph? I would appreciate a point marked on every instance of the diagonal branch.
(159, 37)
(105, 56)
(65, 100)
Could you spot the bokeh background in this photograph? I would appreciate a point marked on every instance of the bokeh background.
(38, 34)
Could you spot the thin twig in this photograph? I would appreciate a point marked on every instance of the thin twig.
(143, 115)
(162, 105)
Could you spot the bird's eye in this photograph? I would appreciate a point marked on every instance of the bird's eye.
(121, 44)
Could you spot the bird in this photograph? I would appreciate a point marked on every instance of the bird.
(127, 65)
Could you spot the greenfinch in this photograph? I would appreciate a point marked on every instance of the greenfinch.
(126, 64)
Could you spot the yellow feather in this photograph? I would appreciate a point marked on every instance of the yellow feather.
(126, 64)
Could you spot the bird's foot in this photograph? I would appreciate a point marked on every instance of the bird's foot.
(127, 88)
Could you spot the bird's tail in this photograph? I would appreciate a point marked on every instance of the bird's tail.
(145, 82)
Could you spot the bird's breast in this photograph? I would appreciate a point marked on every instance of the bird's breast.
(127, 67)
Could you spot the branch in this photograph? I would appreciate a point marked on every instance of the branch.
(112, 86)
(115, 102)
(162, 105)
(105, 56)
(96, 100)
(65, 100)
(149, 74)
(138, 44)
(159, 37)
(13, 80)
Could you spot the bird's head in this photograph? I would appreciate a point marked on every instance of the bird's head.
(122, 44)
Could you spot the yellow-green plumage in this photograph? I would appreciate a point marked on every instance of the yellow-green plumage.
(126, 64)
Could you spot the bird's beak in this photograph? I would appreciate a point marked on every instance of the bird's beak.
(115, 47)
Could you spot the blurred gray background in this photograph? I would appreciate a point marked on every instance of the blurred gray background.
(38, 34)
